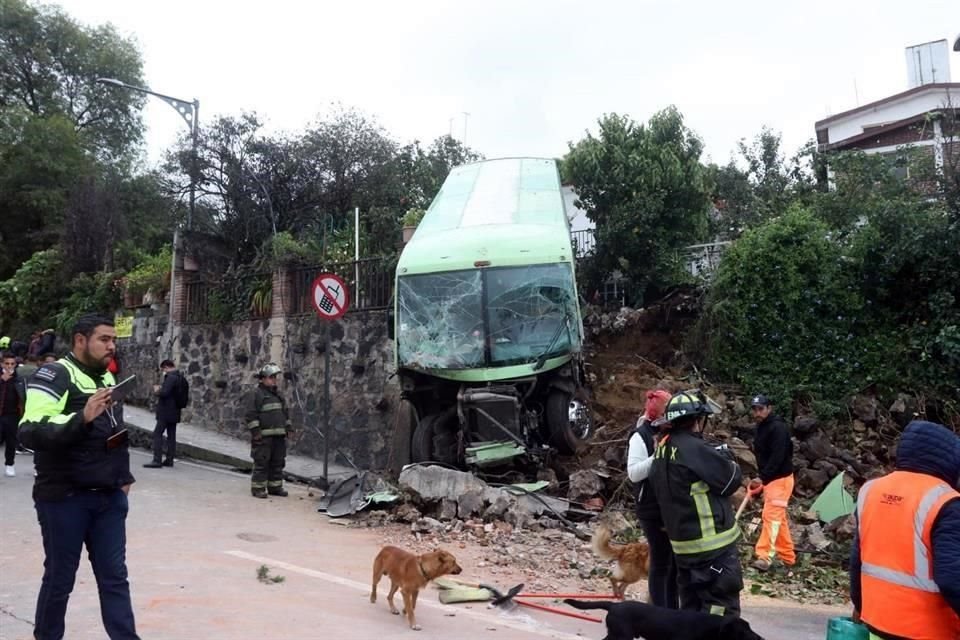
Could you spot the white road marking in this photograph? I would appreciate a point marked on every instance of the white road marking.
(532, 626)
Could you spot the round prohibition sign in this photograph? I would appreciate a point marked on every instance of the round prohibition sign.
(329, 296)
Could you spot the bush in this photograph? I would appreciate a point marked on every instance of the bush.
(88, 293)
(785, 315)
(153, 273)
(35, 290)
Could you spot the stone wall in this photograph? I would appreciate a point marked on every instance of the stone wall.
(220, 362)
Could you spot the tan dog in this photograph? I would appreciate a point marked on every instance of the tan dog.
(633, 560)
(410, 573)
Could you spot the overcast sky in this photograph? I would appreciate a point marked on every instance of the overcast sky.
(533, 75)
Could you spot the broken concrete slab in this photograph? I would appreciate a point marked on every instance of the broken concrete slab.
(584, 484)
(430, 482)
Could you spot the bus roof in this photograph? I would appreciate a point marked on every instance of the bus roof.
(506, 212)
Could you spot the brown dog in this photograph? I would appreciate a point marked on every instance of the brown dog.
(633, 560)
(410, 573)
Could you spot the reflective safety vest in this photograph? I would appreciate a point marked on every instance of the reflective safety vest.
(895, 517)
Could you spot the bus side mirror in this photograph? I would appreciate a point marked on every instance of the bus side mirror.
(391, 324)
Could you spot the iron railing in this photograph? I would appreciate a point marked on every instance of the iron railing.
(370, 281)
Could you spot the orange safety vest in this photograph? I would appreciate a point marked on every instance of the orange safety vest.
(896, 515)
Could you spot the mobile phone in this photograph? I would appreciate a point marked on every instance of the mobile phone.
(118, 439)
(122, 389)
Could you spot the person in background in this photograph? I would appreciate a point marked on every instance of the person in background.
(28, 367)
(83, 477)
(269, 425)
(168, 415)
(905, 558)
(662, 581)
(12, 394)
(47, 358)
(774, 450)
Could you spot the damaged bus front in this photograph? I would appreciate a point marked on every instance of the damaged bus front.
(487, 321)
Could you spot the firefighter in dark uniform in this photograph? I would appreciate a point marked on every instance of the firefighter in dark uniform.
(693, 481)
(269, 424)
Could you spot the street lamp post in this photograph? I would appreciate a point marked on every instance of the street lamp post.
(190, 112)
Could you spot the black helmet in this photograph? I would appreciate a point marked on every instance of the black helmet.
(688, 403)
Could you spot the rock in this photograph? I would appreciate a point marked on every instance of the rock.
(426, 525)
(612, 455)
(804, 425)
(816, 537)
(859, 426)
(448, 510)
(817, 447)
(865, 408)
(469, 504)
(812, 480)
(518, 517)
(743, 456)
(435, 483)
(904, 409)
(497, 508)
(584, 484)
(826, 466)
(550, 476)
(406, 512)
(842, 529)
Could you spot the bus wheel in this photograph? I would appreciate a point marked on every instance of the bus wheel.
(568, 420)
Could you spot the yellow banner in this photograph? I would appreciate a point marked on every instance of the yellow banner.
(123, 326)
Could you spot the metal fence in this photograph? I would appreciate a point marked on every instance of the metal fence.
(370, 281)
(225, 298)
(583, 242)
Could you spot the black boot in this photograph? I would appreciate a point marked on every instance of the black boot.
(258, 493)
(278, 492)
(153, 465)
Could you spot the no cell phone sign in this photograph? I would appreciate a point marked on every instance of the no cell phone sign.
(329, 296)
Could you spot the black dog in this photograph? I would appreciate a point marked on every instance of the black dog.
(629, 620)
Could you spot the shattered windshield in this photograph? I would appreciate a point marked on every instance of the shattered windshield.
(440, 324)
(529, 310)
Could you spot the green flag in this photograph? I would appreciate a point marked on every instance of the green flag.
(834, 501)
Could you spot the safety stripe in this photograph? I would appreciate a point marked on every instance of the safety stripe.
(717, 610)
(258, 485)
(702, 545)
(774, 534)
(921, 578)
(253, 424)
(35, 386)
(274, 431)
(699, 492)
(271, 406)
(274, 483)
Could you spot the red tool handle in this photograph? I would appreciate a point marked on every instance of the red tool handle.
(578, 596)
(558, 610)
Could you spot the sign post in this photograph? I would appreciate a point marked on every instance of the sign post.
(330, 298)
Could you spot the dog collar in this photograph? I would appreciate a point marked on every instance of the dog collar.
(422, 572)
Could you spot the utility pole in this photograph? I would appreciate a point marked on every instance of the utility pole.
(466, 115)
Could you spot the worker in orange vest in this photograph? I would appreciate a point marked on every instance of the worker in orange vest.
(905, 560)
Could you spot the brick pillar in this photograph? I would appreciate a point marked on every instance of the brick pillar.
(179, 302)
(282, 302)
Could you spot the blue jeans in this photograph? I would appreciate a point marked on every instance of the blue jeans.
(97, 519)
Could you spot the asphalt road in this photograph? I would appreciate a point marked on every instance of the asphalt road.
(196, 539)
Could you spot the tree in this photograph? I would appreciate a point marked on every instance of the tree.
(645, 189)
(48, 67)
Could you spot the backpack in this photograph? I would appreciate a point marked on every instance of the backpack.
(182, 397)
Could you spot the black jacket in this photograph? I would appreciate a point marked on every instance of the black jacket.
(69, 454)
(692, 482)
(12, 395)
(773, 448)
(647, 507)
(167, 409)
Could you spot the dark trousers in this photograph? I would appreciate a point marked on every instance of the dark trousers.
(171, 430)
(269, 457)
(97, 519)
(713, 587)
(664, 591)
(8, 434)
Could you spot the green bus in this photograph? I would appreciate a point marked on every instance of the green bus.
(487, 323)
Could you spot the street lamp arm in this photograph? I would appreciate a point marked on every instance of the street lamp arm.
(186, 108)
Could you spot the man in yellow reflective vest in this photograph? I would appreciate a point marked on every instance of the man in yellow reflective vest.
(269, 425)
(693, 481)
(905, 559)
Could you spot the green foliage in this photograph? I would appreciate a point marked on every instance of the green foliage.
(784, 312)
(413, 217)
(644, 188)
(153, 273)
(35, 289)
(88, 293)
